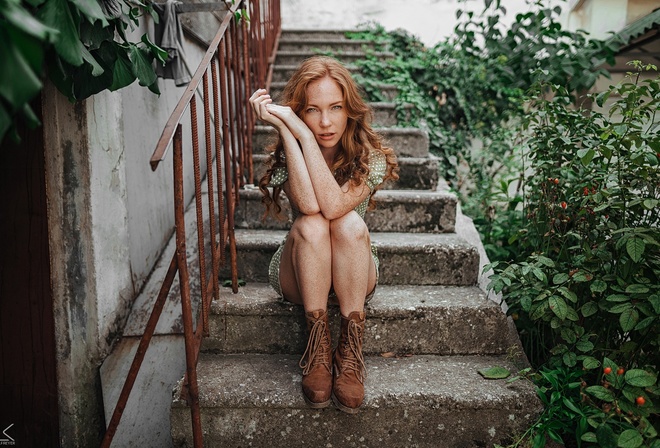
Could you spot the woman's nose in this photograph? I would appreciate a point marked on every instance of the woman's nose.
(325, 119)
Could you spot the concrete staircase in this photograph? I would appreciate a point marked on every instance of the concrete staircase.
(429, 331)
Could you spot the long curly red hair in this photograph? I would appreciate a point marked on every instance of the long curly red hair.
(352, 162)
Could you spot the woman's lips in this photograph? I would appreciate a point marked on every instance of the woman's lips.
(326, 136)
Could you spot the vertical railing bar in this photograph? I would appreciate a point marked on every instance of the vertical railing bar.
(249, 116)
(215, 226)
(199, 208)
(140, 354)
(211, 206)
(184, 284)
(227, 162)
(238, 154)
(218, 159)
(240, 106)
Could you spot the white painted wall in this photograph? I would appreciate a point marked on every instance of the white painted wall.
(430, 20)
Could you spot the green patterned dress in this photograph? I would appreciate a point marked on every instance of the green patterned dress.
(377, 169)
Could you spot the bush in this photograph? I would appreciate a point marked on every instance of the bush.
(587, 297)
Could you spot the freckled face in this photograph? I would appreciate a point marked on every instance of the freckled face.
(325, 114)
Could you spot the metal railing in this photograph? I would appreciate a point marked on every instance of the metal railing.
(239, 58)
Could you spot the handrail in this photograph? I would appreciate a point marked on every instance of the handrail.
(238, 58)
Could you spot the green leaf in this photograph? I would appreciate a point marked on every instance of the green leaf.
(640, 378)
(601, 393)
(22, 19)
(569, 359)
(568, 294)
(630, 438)
(560, 278)
(91, 9)
(637, 289)
(56, 14)
(617, 298)
(650, 204)
(589, 309)
(558, 306)
(589, 437)
(97, 70)
(122, 73)
(598, 286)
(494, 373)
(584, 346)
(655, 302)
(18, 82)
(629, 319)
(635, 248)
(605, 437)
(590, 363)
(142, 68)
(586, 155)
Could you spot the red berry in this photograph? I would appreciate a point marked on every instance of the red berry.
(640, 401)
(607, 370)
(556, 181)
(621, 371)
(563, 204)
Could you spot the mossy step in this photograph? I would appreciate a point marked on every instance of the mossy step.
(439, 320)
(417, 401)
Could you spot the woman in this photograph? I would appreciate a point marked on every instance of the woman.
(329, 162)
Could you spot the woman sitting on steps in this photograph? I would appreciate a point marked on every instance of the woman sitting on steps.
(329, 162)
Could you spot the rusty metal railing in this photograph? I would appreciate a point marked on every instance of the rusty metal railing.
(239, 58)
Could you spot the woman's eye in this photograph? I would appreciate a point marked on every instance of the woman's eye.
(336, 107)
(310, 110)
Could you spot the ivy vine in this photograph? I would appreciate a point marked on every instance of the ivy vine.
(81, 45)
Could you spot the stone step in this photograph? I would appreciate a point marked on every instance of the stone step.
(386, 114)
(415, 173)
(406, 259)
(419, 320)
(314, 34)
(418, 401)
(295, 57)
(396, 211)
(406, 142)
(335, 44)
(388, 92)
(282, 73)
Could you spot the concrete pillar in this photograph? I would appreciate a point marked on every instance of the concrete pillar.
(90, 268)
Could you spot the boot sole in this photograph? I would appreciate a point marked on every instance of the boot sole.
(316, 405)
(344, 408)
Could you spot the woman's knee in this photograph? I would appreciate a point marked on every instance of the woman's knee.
(311, 228)
(349, 228)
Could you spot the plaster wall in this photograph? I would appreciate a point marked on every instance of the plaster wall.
(109, 217)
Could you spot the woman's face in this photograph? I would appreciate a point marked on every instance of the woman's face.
(325, 114)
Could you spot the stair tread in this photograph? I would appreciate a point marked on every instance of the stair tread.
(259, 298)
(394, 241)
(273, 381)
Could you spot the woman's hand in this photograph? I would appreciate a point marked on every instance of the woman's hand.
(292, 121)
(260, 100)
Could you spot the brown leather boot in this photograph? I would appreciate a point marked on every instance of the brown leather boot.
(317, 368)
(350, 370)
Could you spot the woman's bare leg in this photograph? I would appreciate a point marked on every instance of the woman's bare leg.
(306, 263)
(353, 268)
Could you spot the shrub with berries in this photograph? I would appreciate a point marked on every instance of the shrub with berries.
(588, 288)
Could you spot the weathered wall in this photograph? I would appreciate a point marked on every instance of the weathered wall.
(109, 217)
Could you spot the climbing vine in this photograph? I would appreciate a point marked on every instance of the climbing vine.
(81, 45)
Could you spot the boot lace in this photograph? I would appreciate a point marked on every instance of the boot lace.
(352, 357)
(318, 349)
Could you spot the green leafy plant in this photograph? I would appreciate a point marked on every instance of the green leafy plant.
(467, 94)
(80, 44)
(589, 288)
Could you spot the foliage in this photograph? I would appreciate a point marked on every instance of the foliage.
(589, 290)
(469, 88)
(81, 45)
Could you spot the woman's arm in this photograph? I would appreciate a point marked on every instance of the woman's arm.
(334, 200)
(298, 186)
